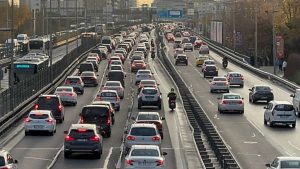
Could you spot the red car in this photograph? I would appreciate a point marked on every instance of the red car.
(138, 64)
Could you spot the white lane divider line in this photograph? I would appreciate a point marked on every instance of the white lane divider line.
(257, 128)
(37, 158)
(250, 142)
(211, 102)
(107, 158)
(253, 135)
(248, 154)
(31, 148)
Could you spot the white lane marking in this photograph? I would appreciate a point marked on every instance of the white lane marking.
(107, 158)
(248, 154)
(36, 158)
(289, 154)
(293, 145)
(250, 142)
(257, 128)
(253, 135)
(211, 102)
(30, 148)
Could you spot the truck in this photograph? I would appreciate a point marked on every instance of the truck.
(100, 29)
(296, 101)
(23, 41)
(16, 46)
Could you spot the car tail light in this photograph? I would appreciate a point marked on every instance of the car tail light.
(36, 106)
(4, 168)
(99, 98)
(159, 125)
(60, 107)
(50, 121)
(240, 102)
(137, 75)
(118, 98)
(227, 83)
(242, 77)
(104, 88)
(155, 138)
(132, 65)
(27, 120)
(224, 102)
(130, 138)
(213, 83)
(69, 138)
(160, 162)
(67, 82)
(144, 65)
(95, 138)
(94, 78)
(229, 78)
(78, 81)
(129, 162)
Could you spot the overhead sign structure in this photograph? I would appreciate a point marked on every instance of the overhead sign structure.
(174, 13)
(190, 12)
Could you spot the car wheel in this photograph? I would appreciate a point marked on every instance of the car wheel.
(108, 134)
(211, 91)
(187, 64)
(242, 112)
(67, 154)
(139, 105)
(159, 107)
(118, 109)
(175, 63)
(241, 86)
(162, 136)
(298, 113)
(59, 120)
(82, 92)
(294, 125)
(204, 76)
(227, 91)
(271, 123)
(75, 104)
(113, 120)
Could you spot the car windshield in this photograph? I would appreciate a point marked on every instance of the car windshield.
(235, 75)
(38, 116)
(143, 131)
(284, 107)
(232, 97)
(263, 88)
(87, 74)
(149, 91)
(2, 161)
(145, 152)
(290, 164)
(65, 89)
(148, 117)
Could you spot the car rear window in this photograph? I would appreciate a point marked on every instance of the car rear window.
(263, 88)
(64, 89)
(143, 131)
(181, 57)
(92, 112)
(85, 66)
(211, 68)
(220, 79)
(117, 62)
(112, 84)
(108, 94)
(114, 58)
(116, 68)
(136, 57)
(290, 164)
(39, 116)
(209, 62)
(144, 72)
(145, 152)
(87, 74)
(232, 97)
(148, 117)
(149, 91)
(147, 82)
(2, 161)
(284, 107)
(73, 80)
(82, 133)
(138, 61)
(46, 102)
(179, 51)
(235, 75)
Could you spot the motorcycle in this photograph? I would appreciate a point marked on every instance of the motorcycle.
(172, 104)
(225, 64)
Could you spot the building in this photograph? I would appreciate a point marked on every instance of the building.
(16, 2)
(132, 3)
(170, 4)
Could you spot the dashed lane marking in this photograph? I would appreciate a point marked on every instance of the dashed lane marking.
(37, 158)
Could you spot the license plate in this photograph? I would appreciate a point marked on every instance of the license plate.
(144, 164)
(81, 139)
(149, 97)
(220, 84)
(264, 97)
(38, 126)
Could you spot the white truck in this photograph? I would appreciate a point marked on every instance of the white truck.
(296, 101)
(23, 41)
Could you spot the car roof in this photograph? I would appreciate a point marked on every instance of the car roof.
(234, 73)
(152, 88)
(113, 82)
(142, 125)
(288, 158)
(147, 80)
(40, 111)
(225, 94)
(115, 71)
(113, 91)
(280, 102)
(148, 113)
(261, 86)
(87, 126)
(145, 147)
(96, 105)
(74, 76)
(48, 95)
(88, 72)
(101, 103)
(210, 65)
(65, 87)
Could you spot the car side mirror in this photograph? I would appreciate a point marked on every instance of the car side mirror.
(265, 107)
(242, 98)
(160, 93)
(268, 165)
(65, 132)
(250, 90)
(102, 85)
(164, 153)
(163, 118)
(292, 95)
(16, 161)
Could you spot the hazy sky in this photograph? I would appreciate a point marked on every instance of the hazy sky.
(140, 2)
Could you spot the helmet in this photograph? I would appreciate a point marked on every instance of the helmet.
(172, 89)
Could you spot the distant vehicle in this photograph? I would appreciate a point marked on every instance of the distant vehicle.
(259, 93)
(219, 84)
(235, 78)
(100, 29)
(76, 82)
(39, 45)
(110, 26)
(23, 41)
(284, 163)
(149, 96)
(73, 27)
(7, 160)
(16, 47)
(296, 101)
(106, 40)
(67, 95)
(203, 49)
(231, 102)
(111, 96)
(181, 59)
(210, 70)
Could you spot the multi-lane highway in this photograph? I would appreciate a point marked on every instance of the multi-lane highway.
(58, 53)
(252, 143)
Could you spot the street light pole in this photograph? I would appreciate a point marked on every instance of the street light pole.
(234, 28)
(12, 72)
(50, 43)
(255, 36)
(274, 39)
(76, 26)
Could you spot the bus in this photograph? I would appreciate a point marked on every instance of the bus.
(100, 29)
(39, 45)
(110, 26)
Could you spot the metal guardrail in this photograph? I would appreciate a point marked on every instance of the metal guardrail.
(200, 122)
(239, 60)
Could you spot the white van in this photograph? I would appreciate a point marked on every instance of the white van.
(280, 112)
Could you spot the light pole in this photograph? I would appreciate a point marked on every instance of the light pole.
(234, 28)
(274, 38)
(255, 37)
(50, 43)
(12, 72)
(76, 6)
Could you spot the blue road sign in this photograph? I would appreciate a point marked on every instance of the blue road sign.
(174, 13)
(163, 14)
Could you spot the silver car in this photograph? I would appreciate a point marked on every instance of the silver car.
(143, 74)
(235, 78)
(142, 134)
(7, 160)
(66, 94)
(231, 102)
(284, 163)
(147, 83)
(145, 156)
(188, 46)
(219, 84)
(111, 96)
(114, 85)
(149, 96)
(76, 82)
(40, 120)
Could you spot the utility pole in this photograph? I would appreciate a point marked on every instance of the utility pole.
(12, 72)
(50, 44)
(255, 37)
(234, 28)
(34, 22)
(274, 38)
(67, 41)
(76, 6)
(43, 6)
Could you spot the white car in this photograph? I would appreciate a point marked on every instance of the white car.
(219, 84)
(231, 102)
(284, 163)
(93, 58)
(143, 74)
(280, 112)
(207, 62)
(67, 94)
(114, 85)
(40, 120)
(145, 156)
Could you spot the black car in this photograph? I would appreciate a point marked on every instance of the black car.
(53, 103)
(116, 75)
(260, 93)
(210, 70)
(99, 115)
(95, 64)
(181, 59)
(85, 66)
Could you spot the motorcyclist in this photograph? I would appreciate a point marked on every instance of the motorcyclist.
(172, 95)
(225, 59)
(152, 54)
(152, 43)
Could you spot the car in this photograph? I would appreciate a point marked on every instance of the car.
(142, 49)
(129, 45)
(111, 108)
(83, 138)
(185, 40)
(137, 65)
(89, 78)
(193, 39)
(178, 35)
(198, 43)
(170, 38)
(67, 95)
(100, 115)
(178, 51)
(102, 47)
(95, 64)
(145, 155)
(149, 96)
(147, 83)
(210, 70)
(116, 62)
(114, 58)
(86, 66)
(76, 82)
(296, 101)
(141, 134)
(231, 102)
(147, 45)
(7, 161)
(136, 57)
(104, 53)
(124, 46)
(151, 118)
(260, 92)
(207, 62)
(235, 78)
(143, 74)
(40, 120)
(284, 163)
(280, 112)
(114, 85)
(219, 84)
(188, 46)
(121, 56)
(52, 103)
(116, 75)
(200, 59)
(181, 59)
(116, 67)
(186, 34)
(121, 51)
(109, 47)
(94, 56)
(111, 96)
(203, 49)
